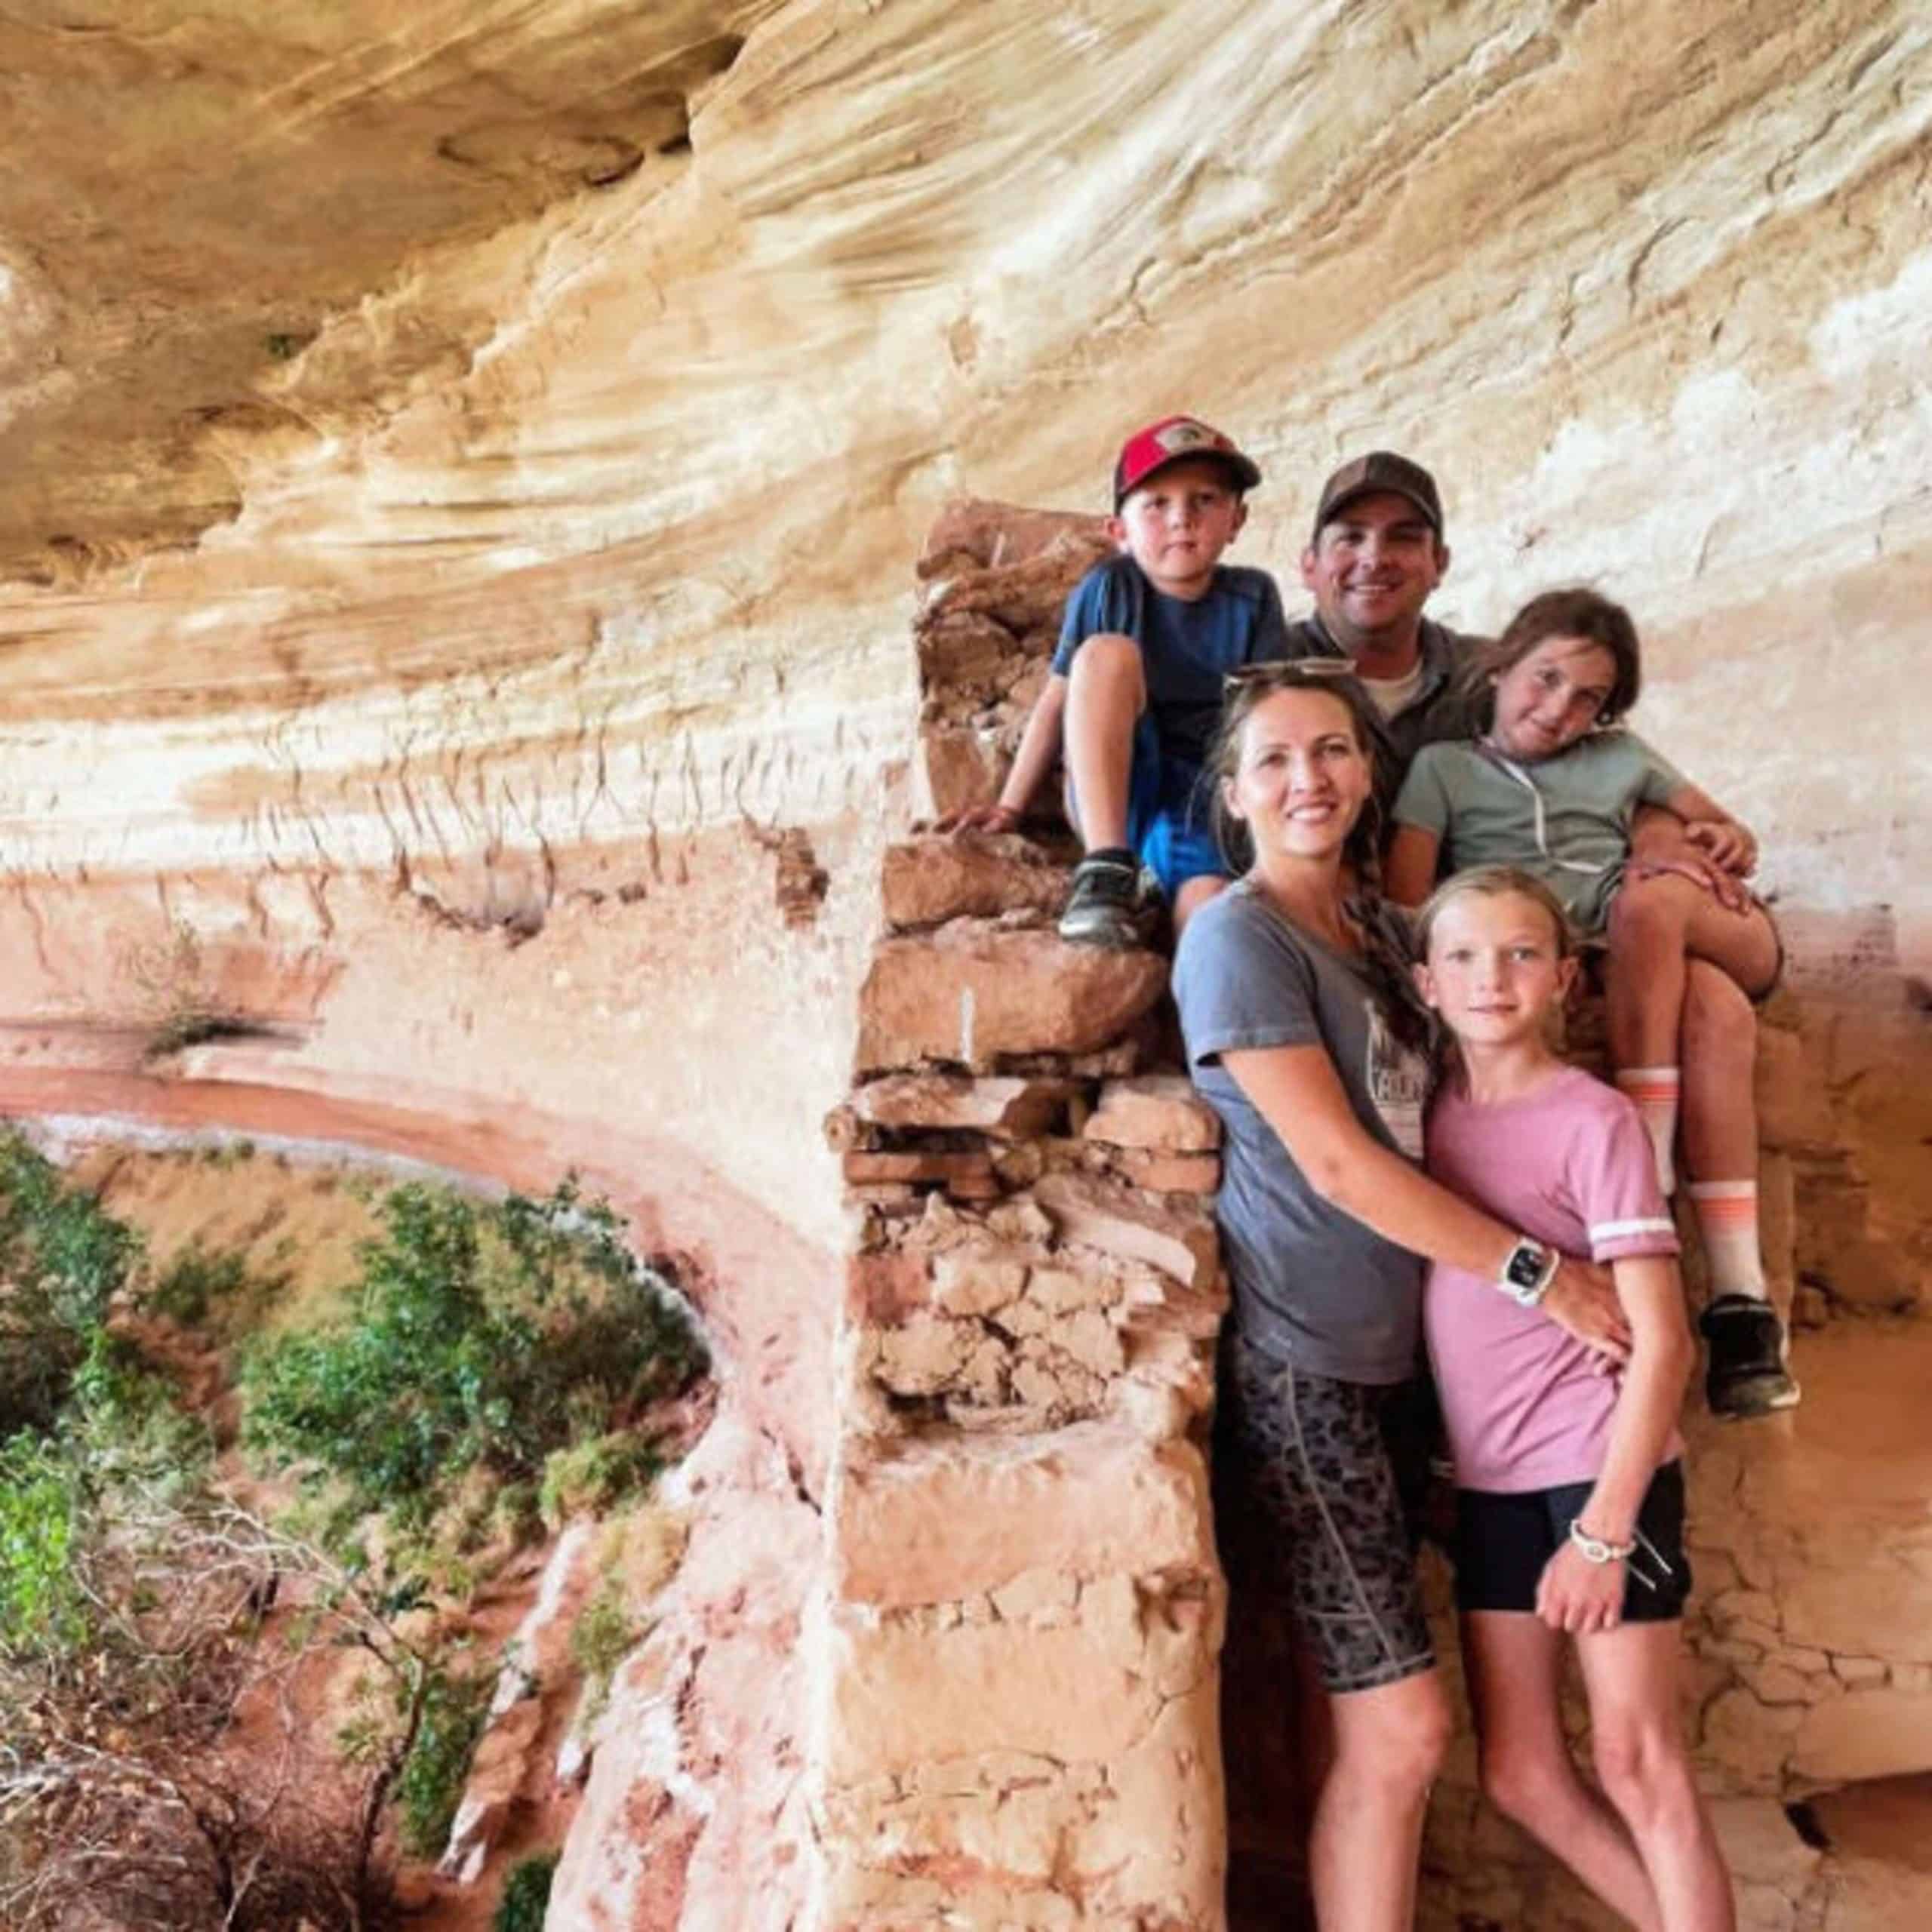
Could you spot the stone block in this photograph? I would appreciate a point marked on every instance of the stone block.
(1178, 1240)
(965, 654)
(1026, 597)
(1777, 1227)
(864, 1169)
(1874, 1733)
(1009, 1107)
(931, 1522)
(928, 1355)
(1169, 1174)
(1761, 1844)
(977, 875)
(904, 1694)
(1160, 1112)
(1749, 1740)
(883, 1286)
(974, 1280)
(971, 992)
(1794, 1105)
(976, 533)
(957, 765)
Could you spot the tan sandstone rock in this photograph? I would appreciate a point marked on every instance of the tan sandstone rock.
(929, 1522)
(973, 875)
(971, 992)
(1160, 1112)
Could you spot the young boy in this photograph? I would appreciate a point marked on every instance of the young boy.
(1135, 692)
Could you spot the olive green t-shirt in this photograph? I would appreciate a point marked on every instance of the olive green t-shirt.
(1566, 820)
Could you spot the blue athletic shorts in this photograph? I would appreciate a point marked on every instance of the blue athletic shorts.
(1170, 823)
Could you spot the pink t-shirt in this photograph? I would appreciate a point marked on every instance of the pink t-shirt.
(1570, 1164)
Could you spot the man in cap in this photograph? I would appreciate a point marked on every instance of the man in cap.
(1376, 553)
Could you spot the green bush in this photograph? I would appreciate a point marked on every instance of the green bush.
(592, 1477)
(429, 1786)
(62, 1258)
(124, 1423)
(604, 1634)
(526, 1895)
(483, 1336)
(196, 1281)
(44, 1611)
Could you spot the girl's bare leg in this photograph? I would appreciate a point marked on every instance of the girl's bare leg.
(1632, 1675)
(1514, 1660)
(1719, 1043)
(1366, 1839)
(1656, 926)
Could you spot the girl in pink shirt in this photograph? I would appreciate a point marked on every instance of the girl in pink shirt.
(1569, 1490)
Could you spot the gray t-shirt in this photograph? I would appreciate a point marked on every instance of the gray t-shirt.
(1566, 818)
(1312, 1285)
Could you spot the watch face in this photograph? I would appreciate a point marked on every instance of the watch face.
(1525, 1266)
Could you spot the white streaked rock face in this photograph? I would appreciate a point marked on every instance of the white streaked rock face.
(508, 456)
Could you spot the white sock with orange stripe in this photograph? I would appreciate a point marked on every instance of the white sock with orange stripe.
(1655, 1090)
(1727, 1213)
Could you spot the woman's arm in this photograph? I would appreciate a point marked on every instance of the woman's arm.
(1408, 874)
(1296, 1090)
(1576, 1594)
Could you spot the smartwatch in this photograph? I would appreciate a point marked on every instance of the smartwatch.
(1527, 1271)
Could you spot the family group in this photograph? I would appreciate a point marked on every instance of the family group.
(1391, 854)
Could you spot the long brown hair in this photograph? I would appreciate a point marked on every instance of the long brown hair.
(1578, 612)
(1385, 953)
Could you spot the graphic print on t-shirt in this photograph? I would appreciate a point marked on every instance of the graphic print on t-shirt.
(1397, 1078)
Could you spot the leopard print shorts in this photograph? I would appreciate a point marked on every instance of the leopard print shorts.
(1318, 1483)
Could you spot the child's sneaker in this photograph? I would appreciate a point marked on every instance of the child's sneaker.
(1105, 906)
(1747, 1374)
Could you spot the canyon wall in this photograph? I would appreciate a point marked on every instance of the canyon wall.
(460, 479)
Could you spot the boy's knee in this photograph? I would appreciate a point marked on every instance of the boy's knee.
(1107, 657)
(1718, 1017)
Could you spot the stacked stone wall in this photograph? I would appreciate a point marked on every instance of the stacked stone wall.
(1020, 1725)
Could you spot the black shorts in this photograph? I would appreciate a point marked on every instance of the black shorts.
(1317, 1487)
(1503, 1541)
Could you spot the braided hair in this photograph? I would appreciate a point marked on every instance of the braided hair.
(1387, 951)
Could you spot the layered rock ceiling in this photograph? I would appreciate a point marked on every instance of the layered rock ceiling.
(461, 472)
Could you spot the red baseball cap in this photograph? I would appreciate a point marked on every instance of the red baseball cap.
(1177, 439)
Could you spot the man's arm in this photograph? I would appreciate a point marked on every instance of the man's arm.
(1408, 873)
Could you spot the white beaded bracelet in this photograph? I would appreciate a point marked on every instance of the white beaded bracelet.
(1595, 1548)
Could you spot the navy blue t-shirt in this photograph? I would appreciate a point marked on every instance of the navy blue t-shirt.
(1187, 648)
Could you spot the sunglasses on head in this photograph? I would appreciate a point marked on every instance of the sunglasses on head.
(1288, 672)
